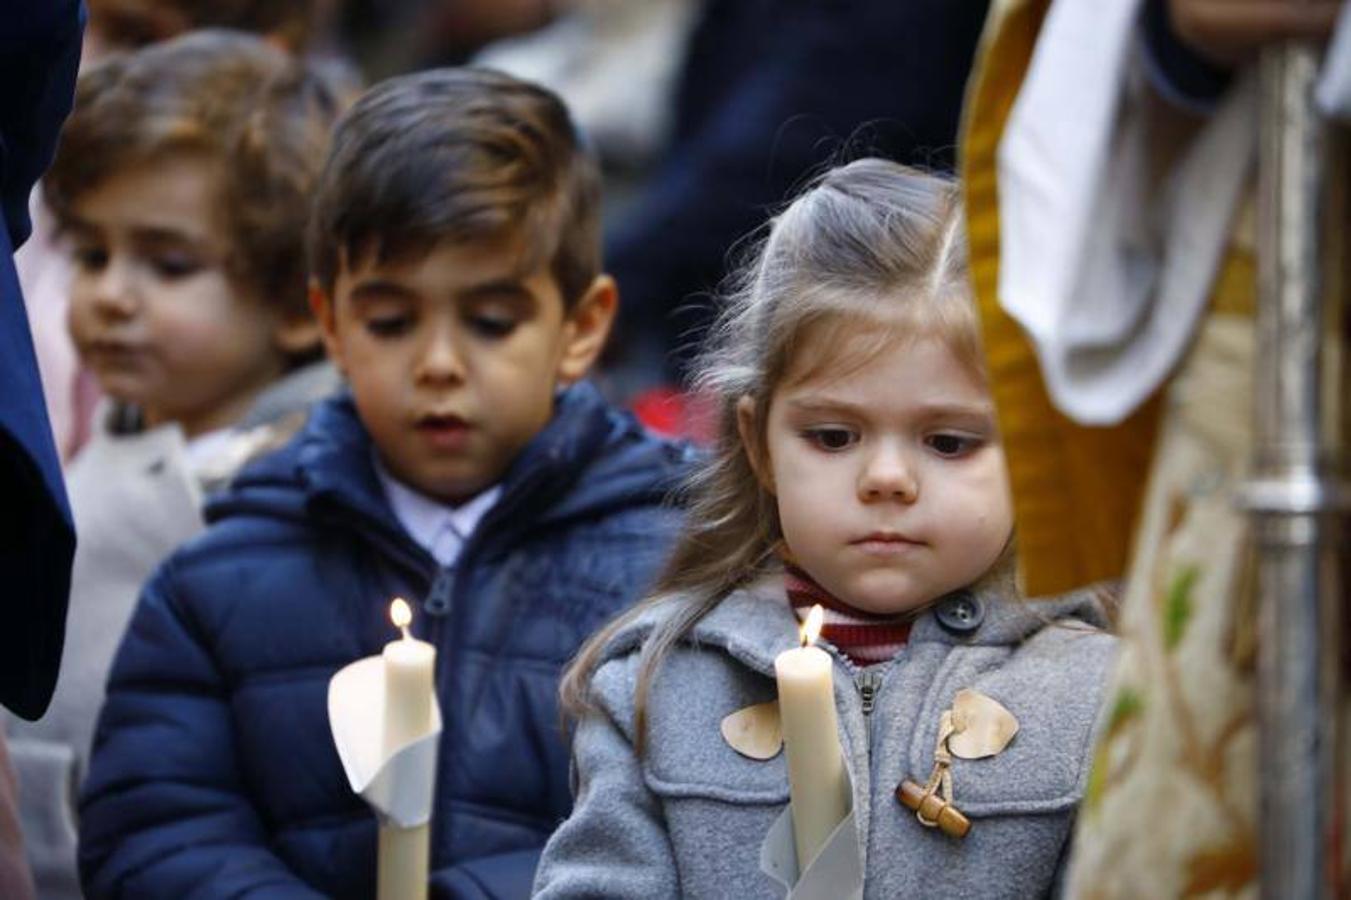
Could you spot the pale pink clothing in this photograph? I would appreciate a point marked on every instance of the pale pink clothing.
(16, 882)
(44, 268)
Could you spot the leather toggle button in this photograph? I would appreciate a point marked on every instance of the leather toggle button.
(960, 613)
(932, 810)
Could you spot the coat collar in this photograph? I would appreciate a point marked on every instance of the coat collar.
(336, 464)
(756, 623)
(588, 459)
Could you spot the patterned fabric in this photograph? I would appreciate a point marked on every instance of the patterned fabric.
(1179, 729)
(1170, 809)
(865, 638)
(1179, 733)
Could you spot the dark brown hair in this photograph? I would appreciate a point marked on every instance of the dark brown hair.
(136, 23)
(259, 114)
(461, 155)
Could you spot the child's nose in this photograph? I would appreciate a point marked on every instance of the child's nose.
(440, 360)
(888, 475)
(114, 290)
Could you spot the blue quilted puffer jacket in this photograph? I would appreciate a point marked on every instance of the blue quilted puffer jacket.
(214, 772)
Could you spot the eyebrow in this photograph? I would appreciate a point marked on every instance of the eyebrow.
(153, 234)
(826, 404)
(380, 289)
(158, 235)
(502, 287)
(384, 288)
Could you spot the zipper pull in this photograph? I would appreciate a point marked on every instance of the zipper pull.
(438, 598)
(868, 681)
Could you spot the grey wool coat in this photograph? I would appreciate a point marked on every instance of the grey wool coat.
(688, 819)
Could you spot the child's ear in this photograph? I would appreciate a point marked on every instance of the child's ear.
(321, 305)
(297, 334)
(585, 328)
(749, 429)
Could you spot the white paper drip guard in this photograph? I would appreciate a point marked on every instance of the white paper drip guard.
(835, 874)
(398, 787)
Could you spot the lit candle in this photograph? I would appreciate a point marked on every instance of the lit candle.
(817, 787)
(410, 667)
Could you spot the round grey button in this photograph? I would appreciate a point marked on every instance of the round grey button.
(960, 613)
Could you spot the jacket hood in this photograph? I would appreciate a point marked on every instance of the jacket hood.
(293, 392)
(588, 460)
(756, 623)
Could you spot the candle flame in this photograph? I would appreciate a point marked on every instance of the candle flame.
(811, 629)
(400, 613)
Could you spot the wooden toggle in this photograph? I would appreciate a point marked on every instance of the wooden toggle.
(933, 810)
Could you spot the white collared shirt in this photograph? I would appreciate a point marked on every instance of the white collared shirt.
(442, 530)
(203, 449)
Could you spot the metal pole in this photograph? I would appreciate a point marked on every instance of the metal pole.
(1296, 498)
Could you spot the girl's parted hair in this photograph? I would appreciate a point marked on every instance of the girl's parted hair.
(873, 244)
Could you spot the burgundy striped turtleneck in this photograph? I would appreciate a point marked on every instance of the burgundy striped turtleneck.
(864, 637)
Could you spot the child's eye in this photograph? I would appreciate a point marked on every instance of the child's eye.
(492, 326)
(952, 445)
(91, 258)
(830, 439)
(173, 265)
(389, 326)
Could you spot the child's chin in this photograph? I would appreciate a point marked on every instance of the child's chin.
(122, 387)
(887, 597)
(453, 491)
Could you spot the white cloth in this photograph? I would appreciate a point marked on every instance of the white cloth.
(205, 447)
(1104, 261)
(1334, 84)
(440, 529)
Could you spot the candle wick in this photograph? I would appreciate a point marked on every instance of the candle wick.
(406, 635)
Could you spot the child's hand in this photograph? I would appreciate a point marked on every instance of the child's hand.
(1231, 31)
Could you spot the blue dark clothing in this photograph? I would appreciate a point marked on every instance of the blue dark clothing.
(1180, 73)
(214, 772)
(39, 56)
(770, 93)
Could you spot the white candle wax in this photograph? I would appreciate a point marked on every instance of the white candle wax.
(817, 787)
(409, 674)
(410, 669)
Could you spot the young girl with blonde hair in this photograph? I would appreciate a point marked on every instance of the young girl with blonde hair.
(858, 467)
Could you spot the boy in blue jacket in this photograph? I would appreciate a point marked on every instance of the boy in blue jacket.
(454, 246)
